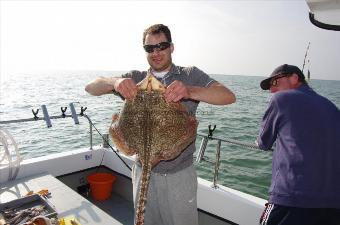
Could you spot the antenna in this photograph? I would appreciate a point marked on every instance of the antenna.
(308, 71)
(304, 60)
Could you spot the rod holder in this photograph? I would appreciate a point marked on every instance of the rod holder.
(201, 150)
(106, 140)
(211, 130)
(35, 114)
(74, 114)
(46, 116)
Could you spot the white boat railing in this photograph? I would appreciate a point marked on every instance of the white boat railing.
(204, 143)
(105, 137)
(63, 115)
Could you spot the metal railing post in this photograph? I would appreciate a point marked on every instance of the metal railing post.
(106, 140)
(91, 139)
(91, 132)
(217, 163)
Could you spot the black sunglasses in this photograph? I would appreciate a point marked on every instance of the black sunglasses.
(161, 46)
(274, 83)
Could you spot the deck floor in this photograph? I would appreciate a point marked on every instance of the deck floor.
(122, 210)
(117, 207)
(67, 202)
(117, 210)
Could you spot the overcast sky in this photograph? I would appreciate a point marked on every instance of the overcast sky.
(219, 37)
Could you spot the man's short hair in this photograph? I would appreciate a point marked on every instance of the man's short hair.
(157, 29)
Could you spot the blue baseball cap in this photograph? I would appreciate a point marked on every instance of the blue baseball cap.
(283, 69)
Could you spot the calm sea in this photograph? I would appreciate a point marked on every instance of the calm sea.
(241, 168)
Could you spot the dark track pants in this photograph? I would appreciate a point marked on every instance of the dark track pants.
(282, 215)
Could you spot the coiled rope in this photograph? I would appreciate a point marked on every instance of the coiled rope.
(10, 154)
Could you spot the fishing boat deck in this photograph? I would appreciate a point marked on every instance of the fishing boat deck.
(67, 202)
(117, 207)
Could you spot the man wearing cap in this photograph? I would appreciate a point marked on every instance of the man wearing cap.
(305, 186)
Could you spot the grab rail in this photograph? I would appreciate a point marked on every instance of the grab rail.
(74, 115)
(204, 143)
(48, 118)
(199, 156)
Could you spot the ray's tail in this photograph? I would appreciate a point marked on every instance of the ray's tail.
(146, 170)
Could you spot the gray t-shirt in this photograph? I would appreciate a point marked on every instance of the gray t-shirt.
(191, 76)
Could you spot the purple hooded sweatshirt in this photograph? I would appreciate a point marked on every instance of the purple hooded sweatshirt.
(306, 157)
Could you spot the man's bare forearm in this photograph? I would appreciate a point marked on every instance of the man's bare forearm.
(101, 85)
(216, 94)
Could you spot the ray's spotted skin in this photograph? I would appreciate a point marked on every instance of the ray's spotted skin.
(153, 129)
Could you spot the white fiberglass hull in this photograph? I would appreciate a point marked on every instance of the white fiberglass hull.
(223, 202)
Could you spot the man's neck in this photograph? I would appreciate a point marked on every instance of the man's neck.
(159, 74)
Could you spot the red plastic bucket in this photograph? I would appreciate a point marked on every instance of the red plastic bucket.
(101, 185)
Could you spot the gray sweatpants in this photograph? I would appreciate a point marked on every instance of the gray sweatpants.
(171, 198)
